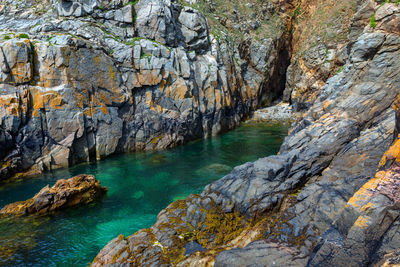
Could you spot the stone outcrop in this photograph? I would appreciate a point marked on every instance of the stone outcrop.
(86, 79)
(315, 203)
(320, 45)
(280, 113)
(78, 190)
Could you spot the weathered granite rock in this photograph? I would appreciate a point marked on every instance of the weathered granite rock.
(81, 189)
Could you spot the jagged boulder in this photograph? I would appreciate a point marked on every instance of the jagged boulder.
(81, 189)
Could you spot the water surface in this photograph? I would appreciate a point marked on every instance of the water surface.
(139, 185)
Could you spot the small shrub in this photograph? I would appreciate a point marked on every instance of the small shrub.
(7, 37)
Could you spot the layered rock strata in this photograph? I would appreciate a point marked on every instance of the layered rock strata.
(78, 190)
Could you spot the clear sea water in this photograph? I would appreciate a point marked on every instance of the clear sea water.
(140, 185)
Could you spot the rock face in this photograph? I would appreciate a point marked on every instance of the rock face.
(86, 79)
(315, 203)
(281, 112)
(320, 45)
(81, 189)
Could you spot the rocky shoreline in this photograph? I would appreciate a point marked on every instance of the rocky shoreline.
(88, 79)
(320, 201)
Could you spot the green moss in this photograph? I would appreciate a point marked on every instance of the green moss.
(372, 22)
(7, 37)
(340, 70)
(23, 36)
(133, 4)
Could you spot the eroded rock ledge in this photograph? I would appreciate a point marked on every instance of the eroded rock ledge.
(78, 190)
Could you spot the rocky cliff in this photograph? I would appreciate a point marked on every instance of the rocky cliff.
(81, 80)
(330, 198)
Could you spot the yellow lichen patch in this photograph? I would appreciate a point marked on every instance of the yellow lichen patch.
(65, 53)
(393, 153)
(9, 105)
(361, 198)
(362, 195)
(46, 100)
(104, 110)
(368, 206)
(156, 139)
(177, 90)
(326, 104)
(88, 112)
(22, 72)
(361, 222)
(81, 98)
(149, 102)
(96, 60)
(219, 227)
(149, 99)
(56, 103)
(112, 72)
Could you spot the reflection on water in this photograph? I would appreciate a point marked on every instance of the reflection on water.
(140, 185)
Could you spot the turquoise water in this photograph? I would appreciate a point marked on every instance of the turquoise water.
(140, 186)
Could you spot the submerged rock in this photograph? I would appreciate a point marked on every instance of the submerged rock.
(215, 168)
(81, 189)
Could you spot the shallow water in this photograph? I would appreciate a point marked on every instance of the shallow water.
(140, 186)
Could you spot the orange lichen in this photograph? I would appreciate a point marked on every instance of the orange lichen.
(366, 191)
(156, 139)
(104, 98)
(361, 222)
(326, 104)
(393, 153)
(104, 110)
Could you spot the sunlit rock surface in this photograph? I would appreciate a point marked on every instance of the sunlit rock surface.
(81, 189)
